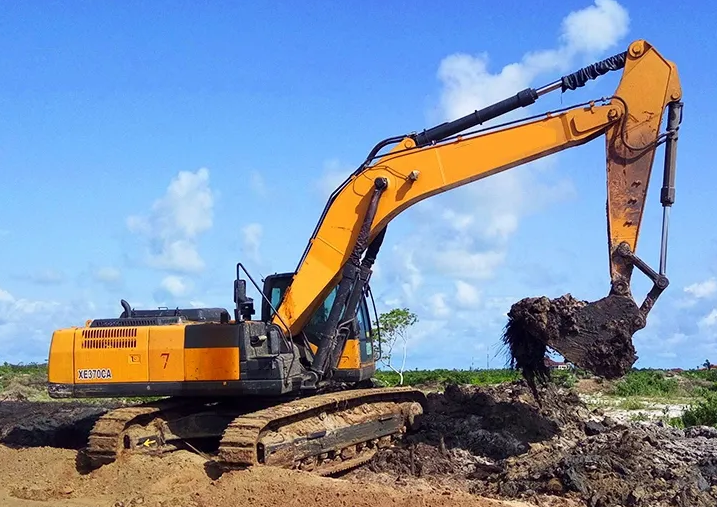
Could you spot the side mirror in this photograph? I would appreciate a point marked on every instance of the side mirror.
(239, 290)
(244, 306)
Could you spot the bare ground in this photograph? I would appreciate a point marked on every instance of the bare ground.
(45, 476)
(474, 444)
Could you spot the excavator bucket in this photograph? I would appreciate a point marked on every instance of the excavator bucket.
(595, 336)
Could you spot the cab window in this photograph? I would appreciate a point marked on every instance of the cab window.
(321, 315)
(364, 324)
(276, 293)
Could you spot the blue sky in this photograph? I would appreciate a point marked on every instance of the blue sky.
(145, 148)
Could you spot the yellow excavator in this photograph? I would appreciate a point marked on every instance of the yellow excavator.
(293, 388)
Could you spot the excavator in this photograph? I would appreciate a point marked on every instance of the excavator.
(293, 388)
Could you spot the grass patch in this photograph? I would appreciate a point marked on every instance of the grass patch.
(30, 382)
(647, 383)
(708, 375)
(33, 374)
(676, 422)
(631, 404)
(640, 416)
(443, 377)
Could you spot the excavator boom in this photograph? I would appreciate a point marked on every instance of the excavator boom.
(436, 161)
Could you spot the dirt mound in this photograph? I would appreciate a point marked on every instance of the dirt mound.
(47, 476)
(499, 421)
(498, 441)
(635, 466)
(596, 336)
(55, 424)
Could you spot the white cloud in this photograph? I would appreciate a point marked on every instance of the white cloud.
(180, 255)
(596, 28)
(45, 277)
(675, 339)
(438, 305)
(107, 275)
(251, 240)
(6, 297)
(174, 285)
(468, 84)
(702, 289)
(175, 222)
(467, 295)
(256, 183)
(26, 325)
(469, 264)
(334, 173)
(710, 320)
(457, 221)
(410, 274)
(376, 271)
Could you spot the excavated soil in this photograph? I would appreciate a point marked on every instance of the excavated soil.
(473, 444)
(596, 336)
(499, 442)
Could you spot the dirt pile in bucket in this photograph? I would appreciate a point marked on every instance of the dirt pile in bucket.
(596, 336)
(498, 442)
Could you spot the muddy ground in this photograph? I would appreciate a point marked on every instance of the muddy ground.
(498, 442)
(474, 444)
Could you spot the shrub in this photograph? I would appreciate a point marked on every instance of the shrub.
(676, 422)
(703, 412)
(563, 378)
(646, 383)
(709, 375)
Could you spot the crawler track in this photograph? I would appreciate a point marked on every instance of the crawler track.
(325, 434)
(107, 438)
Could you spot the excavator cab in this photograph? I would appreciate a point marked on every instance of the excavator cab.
(357, 357)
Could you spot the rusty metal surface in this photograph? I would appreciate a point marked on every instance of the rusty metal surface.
(631, 143)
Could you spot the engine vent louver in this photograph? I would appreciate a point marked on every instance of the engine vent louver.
(134, 322)
(123, 338)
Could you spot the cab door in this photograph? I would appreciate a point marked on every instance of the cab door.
(365, 336)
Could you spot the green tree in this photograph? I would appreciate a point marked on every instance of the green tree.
(393, 329)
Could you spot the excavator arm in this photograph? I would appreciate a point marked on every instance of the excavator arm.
(436, 160)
